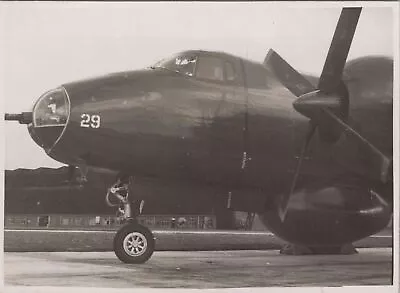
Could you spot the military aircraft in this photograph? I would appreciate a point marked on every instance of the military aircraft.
(313, 157)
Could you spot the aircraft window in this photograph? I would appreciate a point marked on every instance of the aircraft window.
(52, 109)
(229, 71)
(257, 76)
(210, 68)
(181, 64)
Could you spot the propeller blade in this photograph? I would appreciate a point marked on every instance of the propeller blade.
(286, 197)
(337, 55)
(287, 75)
(381, 164)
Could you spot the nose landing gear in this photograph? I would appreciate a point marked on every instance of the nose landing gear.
(133, 243)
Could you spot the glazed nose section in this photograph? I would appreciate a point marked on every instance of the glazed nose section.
(50, 117)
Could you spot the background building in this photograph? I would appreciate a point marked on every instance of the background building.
(44, 195)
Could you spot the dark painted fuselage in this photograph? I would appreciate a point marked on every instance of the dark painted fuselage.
(242, 137)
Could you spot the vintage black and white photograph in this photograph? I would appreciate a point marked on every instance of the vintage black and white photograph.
(199, 145)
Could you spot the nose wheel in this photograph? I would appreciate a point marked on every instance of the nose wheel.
(134, 243)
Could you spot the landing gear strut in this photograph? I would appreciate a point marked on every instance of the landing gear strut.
(133, 243)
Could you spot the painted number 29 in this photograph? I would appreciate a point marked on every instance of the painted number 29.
(90, 121)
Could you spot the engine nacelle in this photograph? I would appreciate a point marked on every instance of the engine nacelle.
(330, 216)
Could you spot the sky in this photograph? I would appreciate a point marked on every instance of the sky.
(46, 44)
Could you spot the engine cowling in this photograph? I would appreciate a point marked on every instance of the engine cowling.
(330, 215)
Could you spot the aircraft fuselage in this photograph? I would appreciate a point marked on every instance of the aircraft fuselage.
(241, 136)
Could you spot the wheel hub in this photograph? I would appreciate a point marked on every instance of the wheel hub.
(135, 244)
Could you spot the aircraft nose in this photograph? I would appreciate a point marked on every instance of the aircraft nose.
(49, 118)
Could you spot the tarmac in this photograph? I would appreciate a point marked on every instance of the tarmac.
(199, 269)
(76, 265)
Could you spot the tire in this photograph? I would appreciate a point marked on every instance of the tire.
(134, 244)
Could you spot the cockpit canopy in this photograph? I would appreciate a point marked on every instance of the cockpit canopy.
(201, 66)
(184, 64)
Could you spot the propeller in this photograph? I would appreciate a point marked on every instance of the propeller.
(327, 105)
